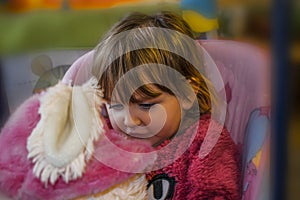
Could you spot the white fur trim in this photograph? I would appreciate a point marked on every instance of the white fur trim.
(135, 188)
(63, 141)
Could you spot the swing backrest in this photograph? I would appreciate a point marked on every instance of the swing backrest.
(245, 71)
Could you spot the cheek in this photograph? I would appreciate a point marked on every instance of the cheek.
(172, 121)
(156, 118)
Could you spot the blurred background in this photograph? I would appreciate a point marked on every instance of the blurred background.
(38, 24)
(29, 27)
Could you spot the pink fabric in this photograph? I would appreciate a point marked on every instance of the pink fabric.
(246, 75)
(81, 66)
(18, 181)
(13, 162)
(245, 72)
(216, 176)
(243, 67)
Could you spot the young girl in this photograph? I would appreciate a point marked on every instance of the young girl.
(150, 71)
(150, 79)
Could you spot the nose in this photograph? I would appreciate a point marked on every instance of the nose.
(131, 119)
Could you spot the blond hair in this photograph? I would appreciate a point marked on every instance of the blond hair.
(116, 56)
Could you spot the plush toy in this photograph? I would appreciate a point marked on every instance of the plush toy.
(57, 145)
(49, 75)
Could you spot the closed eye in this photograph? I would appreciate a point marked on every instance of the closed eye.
(146, 106)
(116, 106)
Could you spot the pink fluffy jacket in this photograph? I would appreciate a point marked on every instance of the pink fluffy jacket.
(31, 168)
(37, 163)
(209, 167)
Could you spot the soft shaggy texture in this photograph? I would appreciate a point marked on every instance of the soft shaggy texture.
(16, 171)
(133, 188)
(216, 176)
(63, 141)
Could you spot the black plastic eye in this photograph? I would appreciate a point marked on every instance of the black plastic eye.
(161, 187)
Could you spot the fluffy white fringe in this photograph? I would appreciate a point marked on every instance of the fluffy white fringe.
(54, 145)
(134, 188)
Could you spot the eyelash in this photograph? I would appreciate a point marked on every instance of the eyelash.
(146, 106)
(116, 106)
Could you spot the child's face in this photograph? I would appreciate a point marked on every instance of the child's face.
(154, 120)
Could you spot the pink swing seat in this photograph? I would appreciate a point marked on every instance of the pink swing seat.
(245, 72)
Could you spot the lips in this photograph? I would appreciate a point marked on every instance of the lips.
(138, 133)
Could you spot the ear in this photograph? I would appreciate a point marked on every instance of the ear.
(41, 64)
(189, 99)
